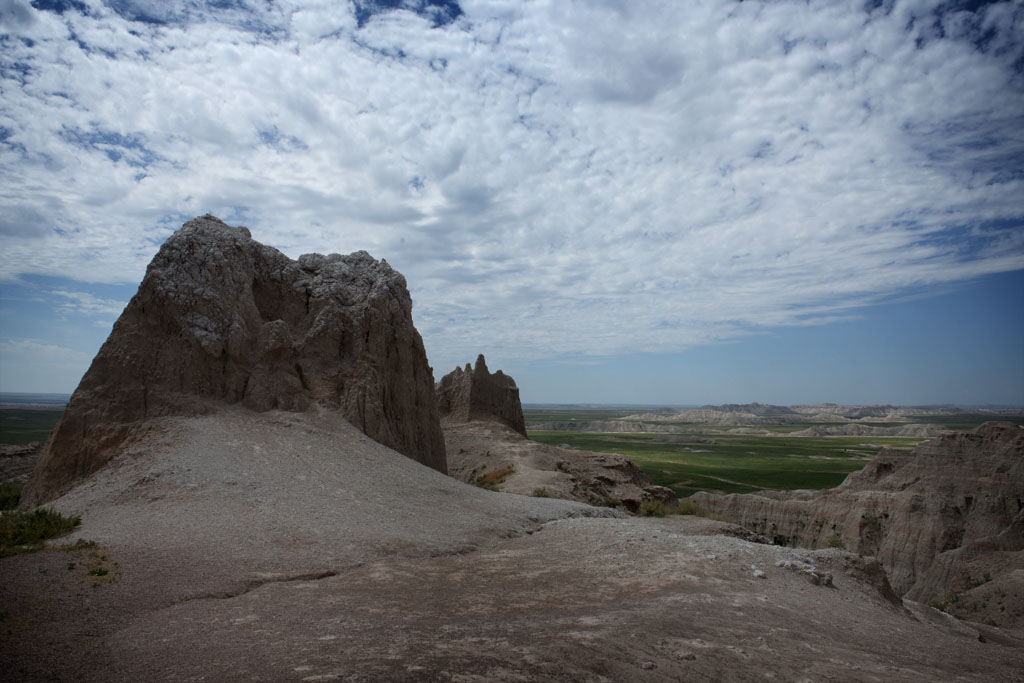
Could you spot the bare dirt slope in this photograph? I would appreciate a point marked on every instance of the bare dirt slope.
(244, 546)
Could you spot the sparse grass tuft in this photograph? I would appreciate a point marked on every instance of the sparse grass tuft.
(492, 480)
(835, 541)
(23, 531)
(689, 507)
(652, 508)
(540, 492)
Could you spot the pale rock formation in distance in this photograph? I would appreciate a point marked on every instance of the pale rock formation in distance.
(220, 318)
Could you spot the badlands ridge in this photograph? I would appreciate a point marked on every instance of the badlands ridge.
(258, 455)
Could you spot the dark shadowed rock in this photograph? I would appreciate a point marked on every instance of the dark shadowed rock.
(929, 515)
(18, 461)
(476, 394)
(220, 318)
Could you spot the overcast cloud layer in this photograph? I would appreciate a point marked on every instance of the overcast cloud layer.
(554, 178)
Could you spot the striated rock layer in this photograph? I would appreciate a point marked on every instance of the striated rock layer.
(476, 394)
(936, 516)
(221, 318)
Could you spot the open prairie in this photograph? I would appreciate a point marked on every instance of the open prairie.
(720, 460)
(21, 426)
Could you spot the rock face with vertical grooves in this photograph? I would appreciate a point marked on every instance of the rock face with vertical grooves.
(476, 394)
(220, 318)
(950, 513)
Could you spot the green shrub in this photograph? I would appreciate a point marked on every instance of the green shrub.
(612, 502)
(540, 493)
(24, 531)
(688, 507)
(835, 541)
(10, 494)
(652, 508)
(491, 480)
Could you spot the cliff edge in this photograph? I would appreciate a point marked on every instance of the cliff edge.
(946, 520)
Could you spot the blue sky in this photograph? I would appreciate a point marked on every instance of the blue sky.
(649, 202)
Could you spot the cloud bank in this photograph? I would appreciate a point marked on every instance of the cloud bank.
(554, 178)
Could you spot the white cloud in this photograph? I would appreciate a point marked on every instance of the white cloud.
(86, 304)
(552, 178)
(51, 352)
(30, 365)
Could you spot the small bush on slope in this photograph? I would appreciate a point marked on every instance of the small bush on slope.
(23, 531)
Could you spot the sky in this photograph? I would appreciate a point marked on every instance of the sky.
(615, 201)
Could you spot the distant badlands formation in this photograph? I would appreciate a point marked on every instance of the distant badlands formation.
(855, 420)
(218, 442)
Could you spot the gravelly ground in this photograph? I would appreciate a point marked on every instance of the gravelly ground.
(278, 547)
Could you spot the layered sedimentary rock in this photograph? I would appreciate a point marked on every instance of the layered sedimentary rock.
(17, 462)
(764, 414)
(220, 318)
(486, 441)
(916, 431)
(926, 514)
(476, 394)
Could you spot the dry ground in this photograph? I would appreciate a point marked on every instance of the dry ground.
(280, 547)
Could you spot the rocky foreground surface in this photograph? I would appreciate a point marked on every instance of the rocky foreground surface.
(257, 459)
(276, 547)
(946, 520)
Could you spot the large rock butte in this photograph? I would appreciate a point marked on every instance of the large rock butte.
(220, 318)
(946, 520)
(476, 394)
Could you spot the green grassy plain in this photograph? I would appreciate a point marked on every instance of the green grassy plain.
(738, 463)
(735, 463)
(24, 425)
(572, 413)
